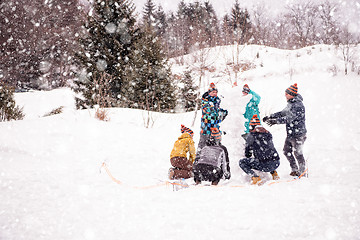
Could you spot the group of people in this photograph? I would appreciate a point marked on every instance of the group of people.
(211, 160)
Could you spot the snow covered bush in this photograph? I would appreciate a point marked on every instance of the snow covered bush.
(8, 109)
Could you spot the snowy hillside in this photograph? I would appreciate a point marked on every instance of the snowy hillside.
(52, 187)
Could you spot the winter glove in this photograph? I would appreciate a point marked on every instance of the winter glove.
(248, 154)
(225, 113)
(222, 114)
(271, 122)
(227, 175)
(266, 118)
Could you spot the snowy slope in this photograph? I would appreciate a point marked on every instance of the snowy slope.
(52, 188)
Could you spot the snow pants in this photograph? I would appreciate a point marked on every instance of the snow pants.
(294, 146)
(248, 164)
(182, 167)
(206, 172)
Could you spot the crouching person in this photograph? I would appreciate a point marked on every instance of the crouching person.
(265, 157)
(182, 166)
(213, 163)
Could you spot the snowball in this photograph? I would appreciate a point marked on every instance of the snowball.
(101, 65)
(110, 28)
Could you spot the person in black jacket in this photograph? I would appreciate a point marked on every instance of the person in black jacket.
(294, 117)
(265, 157)
(213, 162)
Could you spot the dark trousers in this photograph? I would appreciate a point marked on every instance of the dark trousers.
(294, 146)
(206, 172)
(248, 164)
(182, 167)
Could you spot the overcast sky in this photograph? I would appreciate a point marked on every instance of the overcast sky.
(351, 8)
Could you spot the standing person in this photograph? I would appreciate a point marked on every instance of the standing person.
(182, 166)
(213, 163)
(212, 115)
(252, 108)
(211, 95)
(265, 158)
(294, 117)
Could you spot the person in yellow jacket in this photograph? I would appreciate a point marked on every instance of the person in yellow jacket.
(182, 166)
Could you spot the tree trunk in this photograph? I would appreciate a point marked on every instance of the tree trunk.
(197, 103)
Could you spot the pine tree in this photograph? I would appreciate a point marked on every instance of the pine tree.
(226, 30)
(8, 109)
(241, 24)
(211, 24)
(194, 26)
(107, 47)
(182, 29)
(149, 13)
(187, 93)
(151, 88)
(160, 22)
(36, 39)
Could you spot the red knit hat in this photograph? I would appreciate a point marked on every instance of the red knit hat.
(292, 90)
(246, 88)
(186, 130)
(255, 120)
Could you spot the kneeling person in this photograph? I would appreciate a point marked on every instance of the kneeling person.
(182, 166)
(260, 145)
(213, 163)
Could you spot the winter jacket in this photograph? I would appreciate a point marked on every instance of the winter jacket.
(216, 100)
(259, 143)
(293, 116)
(212, 115)
(216, 156)
(182, 146)
(251, 109)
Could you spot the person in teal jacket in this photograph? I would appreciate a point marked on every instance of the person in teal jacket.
(252, 108)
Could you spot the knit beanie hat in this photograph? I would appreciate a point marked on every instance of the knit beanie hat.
(246, 89)
(255, 120)
(212, 87)
(292, 90)
(186, 130)
(215, 134)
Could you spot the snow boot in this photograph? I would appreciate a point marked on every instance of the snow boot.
(215, 183)
(295, 173)
(256, 180)
(171, 174)
(275, 175)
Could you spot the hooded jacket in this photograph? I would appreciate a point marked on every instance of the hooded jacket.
(212, 114)
(259, 143)
(182, 146)
(293, 115)
(252, 108)
(216, 156)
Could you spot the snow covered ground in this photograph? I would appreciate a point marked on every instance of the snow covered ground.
(52, 188)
